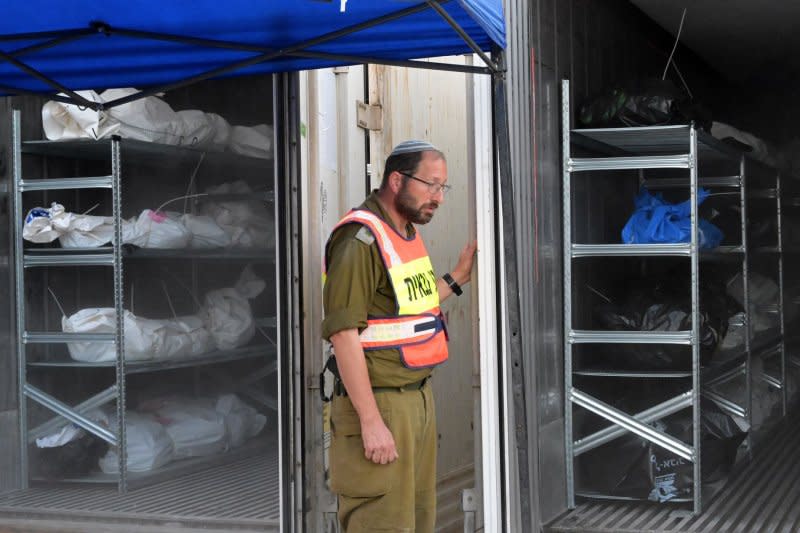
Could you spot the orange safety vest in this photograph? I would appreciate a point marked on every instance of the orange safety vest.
(417, 329)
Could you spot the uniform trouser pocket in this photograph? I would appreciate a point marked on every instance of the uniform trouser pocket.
(351, 473)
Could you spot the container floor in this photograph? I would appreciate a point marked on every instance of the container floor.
(237, 496)
(761, 495)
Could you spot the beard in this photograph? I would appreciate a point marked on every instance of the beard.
(405, 204)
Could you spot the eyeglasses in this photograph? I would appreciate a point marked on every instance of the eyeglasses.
(433, 187)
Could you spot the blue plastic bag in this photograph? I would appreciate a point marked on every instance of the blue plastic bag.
(656, 221)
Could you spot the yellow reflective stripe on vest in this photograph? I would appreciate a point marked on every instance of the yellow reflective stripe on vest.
(415, 286)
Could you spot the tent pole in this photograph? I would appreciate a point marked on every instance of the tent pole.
(40, 35)
(67, 37)
(16, 90)
(436, 6)
(516, 362)
(41, 77)
(300, 53)
(426, 65)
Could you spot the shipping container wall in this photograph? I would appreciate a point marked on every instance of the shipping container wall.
(769, 108)
(595, 44)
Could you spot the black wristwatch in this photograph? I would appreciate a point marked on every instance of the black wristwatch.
(455, 287)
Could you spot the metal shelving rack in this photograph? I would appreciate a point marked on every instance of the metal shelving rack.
(112, 256)
(109, 257)
(735, 366)
(638, 423)
(660, 147)
(776, 253)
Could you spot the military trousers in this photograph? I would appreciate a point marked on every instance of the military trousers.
(399, 496)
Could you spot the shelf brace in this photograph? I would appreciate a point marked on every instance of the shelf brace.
(631, 424)
(95, 401)
(69, 413)
(650, 415)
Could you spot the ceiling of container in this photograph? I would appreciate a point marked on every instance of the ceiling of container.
(744, 40)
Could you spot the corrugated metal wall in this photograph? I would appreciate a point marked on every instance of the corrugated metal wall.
(520, 122)
(594, 43)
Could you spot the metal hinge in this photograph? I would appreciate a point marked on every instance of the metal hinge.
(329, 507)
(469, 504)
(369, 116)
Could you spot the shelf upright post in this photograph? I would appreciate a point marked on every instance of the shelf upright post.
(748, 372)
(567, 242)
(782, 346)
(19, 287)
(119, 333)
(695, 288)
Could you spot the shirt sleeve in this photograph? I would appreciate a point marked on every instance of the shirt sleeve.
(351, 284)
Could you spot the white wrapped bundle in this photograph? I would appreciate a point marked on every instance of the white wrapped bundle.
(195, 427)
(72, 230)
(153, 229)
(149, 230)
(141, 335)
(247, 222)
(147, 119)
(184, 336)
(206, 233)
(227, 314)
(241, 420)
(145, 338)
(149, 445)
(255, 141)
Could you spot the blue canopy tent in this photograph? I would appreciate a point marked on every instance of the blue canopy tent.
(47, 48)
(55, 49)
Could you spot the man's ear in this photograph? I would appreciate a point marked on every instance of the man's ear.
(395, 181)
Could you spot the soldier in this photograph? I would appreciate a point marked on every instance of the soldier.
(382, 317)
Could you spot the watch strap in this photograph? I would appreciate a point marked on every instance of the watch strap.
(455, 287)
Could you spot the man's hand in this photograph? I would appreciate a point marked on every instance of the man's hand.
(463, 269)
(378, 442)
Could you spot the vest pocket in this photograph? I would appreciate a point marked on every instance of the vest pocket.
(352, 474)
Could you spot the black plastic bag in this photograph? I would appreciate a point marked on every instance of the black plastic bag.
(647, 102)
(665, 305)
(75, 458)
(671, 475)
(630, 467)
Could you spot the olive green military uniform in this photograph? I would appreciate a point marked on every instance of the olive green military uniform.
(399, 496)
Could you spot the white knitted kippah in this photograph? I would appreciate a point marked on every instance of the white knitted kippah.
(407, 147)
